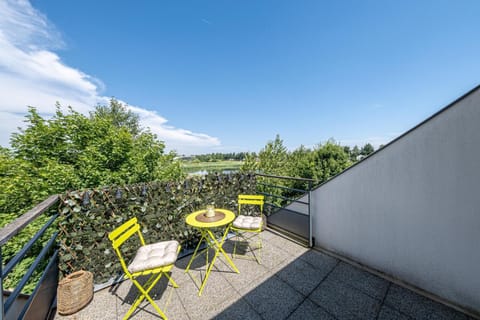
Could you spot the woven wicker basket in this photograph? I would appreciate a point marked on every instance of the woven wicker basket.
(74, 292)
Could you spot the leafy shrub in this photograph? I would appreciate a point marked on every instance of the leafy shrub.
(88, 216)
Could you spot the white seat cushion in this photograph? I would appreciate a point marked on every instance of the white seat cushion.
(154, 255)
(246, 222)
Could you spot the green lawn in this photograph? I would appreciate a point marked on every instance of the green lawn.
(219, 166)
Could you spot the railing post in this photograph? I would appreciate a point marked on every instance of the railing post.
(2, 315)
(310, 236)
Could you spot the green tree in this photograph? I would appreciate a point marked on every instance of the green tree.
(273, 157)
(250, 163)
(320, 164)
(300, 163)
(329, 159)
(354, 153)
(118, 115)
(73, 151)
(366, 150)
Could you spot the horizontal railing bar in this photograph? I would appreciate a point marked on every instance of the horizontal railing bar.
(283, 208)
(284, 198)
(18, 257)
(28, 274)
(42, 278)
(18, 224)
(281, 187)
(284, 177)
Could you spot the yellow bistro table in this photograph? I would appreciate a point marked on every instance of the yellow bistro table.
(199, 220)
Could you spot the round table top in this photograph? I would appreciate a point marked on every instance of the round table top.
(228, 216)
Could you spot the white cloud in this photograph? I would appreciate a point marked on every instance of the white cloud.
(26, 27)
(184, 141)
(31, 74)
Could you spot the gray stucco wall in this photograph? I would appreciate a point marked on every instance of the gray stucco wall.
(412, 210)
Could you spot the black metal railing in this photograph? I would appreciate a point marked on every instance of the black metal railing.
(14, 304)
(288, 204)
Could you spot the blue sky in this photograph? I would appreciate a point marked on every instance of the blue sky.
(227, 76)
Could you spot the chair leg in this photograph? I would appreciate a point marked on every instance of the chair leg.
(257, 253)
(144, 295)
(237, 237)
(175, 285)
(242, 236)
(260, 246)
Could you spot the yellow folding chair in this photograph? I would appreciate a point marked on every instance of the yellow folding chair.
(248, 224)
(153, 259)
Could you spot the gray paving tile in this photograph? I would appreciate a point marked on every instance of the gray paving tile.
(269, 235)
(178, 271)
(240, 310)
(273, 299)
(217, 295)
(419, 307)
(198, 263)
(251, 273)
(267, 291)
(246, 250)
(387, 313)
(274, 258)
(147, 312)
(310, 311)
(320, 261)
(220, 307)
(293, 248)
(366, 282)
(301, 276)
(101, 307)
(142, 312)
(172, 307)
(345, 302)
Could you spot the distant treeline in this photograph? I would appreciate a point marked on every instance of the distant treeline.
(354, 153)
(319, 163)
(212, 157)
(357, 153)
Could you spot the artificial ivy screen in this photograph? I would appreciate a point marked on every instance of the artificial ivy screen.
(88, 216)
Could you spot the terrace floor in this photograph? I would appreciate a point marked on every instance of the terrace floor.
(293, 282)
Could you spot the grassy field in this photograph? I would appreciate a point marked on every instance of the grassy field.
(219, 166)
